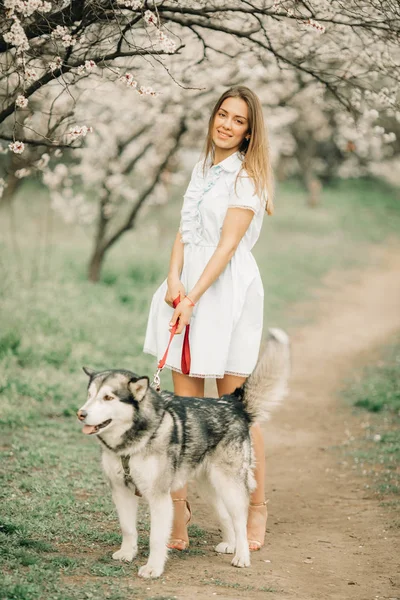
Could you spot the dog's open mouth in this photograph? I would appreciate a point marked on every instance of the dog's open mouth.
(90, 429)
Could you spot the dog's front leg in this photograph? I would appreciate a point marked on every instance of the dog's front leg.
(126, 504)
(161, 512)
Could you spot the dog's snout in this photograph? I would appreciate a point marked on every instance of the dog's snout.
(82, 414)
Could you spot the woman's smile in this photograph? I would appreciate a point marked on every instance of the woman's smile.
(223, 134)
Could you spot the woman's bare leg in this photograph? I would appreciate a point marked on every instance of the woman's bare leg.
(183, 386)
(256, 521)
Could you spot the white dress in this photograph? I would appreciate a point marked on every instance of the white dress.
(226, 324)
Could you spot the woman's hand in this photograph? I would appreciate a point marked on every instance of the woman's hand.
(183, 313)
(175, 289)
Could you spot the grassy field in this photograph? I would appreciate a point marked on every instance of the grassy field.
(376, 392)
(53, 321)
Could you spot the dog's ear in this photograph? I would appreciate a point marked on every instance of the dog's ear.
(89, 372)
(139, 387)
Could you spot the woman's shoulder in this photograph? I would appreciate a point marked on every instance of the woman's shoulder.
(243, 191)
(198, 167)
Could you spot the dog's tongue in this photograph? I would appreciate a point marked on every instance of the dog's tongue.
(88, 429)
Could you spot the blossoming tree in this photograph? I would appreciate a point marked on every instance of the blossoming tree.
(329, 55)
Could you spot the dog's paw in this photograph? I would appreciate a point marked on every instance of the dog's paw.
(240, 561)
(125, 555)
(150, 572)
(225, 548)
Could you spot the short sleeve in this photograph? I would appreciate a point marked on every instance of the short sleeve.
(243, 194)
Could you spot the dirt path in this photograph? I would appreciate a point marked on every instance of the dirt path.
(327, 537)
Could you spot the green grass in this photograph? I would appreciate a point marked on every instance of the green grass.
(376, 391)
(53, 321)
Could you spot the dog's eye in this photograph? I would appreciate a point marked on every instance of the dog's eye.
(108, 398)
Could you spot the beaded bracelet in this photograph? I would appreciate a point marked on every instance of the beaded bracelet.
(191, 301)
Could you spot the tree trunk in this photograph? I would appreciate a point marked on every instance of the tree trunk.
(103, 243)
(95, 264)
(13, 183)
(314, 187)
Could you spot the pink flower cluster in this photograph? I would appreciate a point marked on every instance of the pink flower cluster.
(17, 147)
(30, 74)
(128, 80)
(167, 44)
(27, 7)
(17, 37)
(147, 91)
(88, 66)
(21, 173)
(150, 18)
(21, 101)
(77, 131)
(62, 33)
(135, 4)
(55, 64)
(311, 24)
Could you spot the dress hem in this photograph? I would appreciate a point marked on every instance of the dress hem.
(201, 376)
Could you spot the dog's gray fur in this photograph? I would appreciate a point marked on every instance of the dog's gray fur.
(156, 442)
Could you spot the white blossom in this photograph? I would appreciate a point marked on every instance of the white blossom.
(147, 91)
(389, 137)
(314, 25)
(46, 7)
(79, 131)
(62, 33)
(150, 18)
(43, 161)
(55, 64)
(167, 44)
(27, 7)
(17, 147)
(17, 36)
(53, 179)
(135, 4)
(21, 101)
(20, 173)
(30, 74)
(90, 65)
(128, 80)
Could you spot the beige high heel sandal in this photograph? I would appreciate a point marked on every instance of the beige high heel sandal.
(179, 543)
(257, 520)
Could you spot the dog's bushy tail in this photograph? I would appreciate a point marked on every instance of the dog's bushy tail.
(267, 385)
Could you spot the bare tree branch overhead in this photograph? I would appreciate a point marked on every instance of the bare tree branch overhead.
(342, 45)
(118, 87)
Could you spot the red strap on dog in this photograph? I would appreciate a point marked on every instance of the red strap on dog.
(185, 360)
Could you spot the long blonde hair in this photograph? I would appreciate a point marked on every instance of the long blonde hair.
(255, 151)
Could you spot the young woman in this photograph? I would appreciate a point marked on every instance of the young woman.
(215, 276)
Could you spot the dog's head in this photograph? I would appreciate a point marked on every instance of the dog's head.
(113, 399)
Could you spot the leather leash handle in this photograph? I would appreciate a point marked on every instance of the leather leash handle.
(185, 360)
(173, 332)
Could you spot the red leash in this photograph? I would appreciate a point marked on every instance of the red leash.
(185, 360)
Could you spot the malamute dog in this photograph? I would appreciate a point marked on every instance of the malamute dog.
(155, 442)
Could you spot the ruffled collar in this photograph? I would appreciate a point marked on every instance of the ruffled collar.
(191, 226)
(231, 164)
